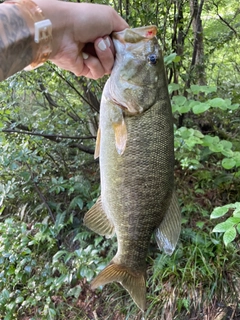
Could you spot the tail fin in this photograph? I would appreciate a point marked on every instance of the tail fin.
(133, 282)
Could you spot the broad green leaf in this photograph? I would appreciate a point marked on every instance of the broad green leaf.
(206, 89)
(179, 100)
(234, 220)
(216, 147)
(218, 212)
(228, 163)
(200, 108)
(238, 228)
(58, 255)
(218, 103)
(172, 87)
(236, 213)
(200, 224)
(226, 144)
(198, 134)
(196, 88)
(74, 291)
(211, 141)
(223, 226)
(169, 59)
(184, 109)
(19, 299)
(229, 236)
(234, 106)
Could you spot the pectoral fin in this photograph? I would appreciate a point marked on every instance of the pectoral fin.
(120, 132)
(97, 147)
(133, 282)
(168, 232)
(97, 220)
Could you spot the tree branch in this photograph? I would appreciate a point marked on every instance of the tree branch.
(41, 196)
(48, 136)
(82, 148)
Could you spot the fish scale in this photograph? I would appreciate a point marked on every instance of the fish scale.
(135, 145)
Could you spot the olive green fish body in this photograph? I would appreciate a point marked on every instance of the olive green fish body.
(136, 153)
(136, 187)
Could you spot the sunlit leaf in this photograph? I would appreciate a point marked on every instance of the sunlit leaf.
(218, 212)
(228, 163)
(229, 236)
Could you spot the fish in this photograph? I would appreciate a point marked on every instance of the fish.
(135, 145)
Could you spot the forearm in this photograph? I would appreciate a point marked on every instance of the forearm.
(79, 42)
(16, 39)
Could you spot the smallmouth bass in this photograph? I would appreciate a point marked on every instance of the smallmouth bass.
(136, 154)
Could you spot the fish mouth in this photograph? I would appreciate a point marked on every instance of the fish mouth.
(138, 34)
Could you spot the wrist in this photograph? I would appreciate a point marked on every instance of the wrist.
(40, 30)
(57, 14)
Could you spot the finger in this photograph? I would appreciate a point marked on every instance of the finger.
(105, 52)
(97, 66)
(92, 67)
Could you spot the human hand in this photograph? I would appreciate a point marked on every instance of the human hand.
(81, 36)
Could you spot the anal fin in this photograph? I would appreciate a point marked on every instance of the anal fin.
(168, 232)
(133, 282)
(97, 220)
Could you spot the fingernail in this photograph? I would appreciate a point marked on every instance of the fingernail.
(85, 55)
(102, 46)
(107, 41)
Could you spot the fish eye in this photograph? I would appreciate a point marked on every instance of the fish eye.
(152, 59)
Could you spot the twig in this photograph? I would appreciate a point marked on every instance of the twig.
(41, 196)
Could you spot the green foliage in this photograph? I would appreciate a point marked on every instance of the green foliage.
(231, 226)
(30, 276)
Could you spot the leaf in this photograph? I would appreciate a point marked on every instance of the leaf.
(234, 220)
(236, 213)
(74, 292)
(238, 228)
(218, 212)
(229, 235)
(76, 202)
(234, 106)
(200, 224)
(228, 163)
(223, 226)
(172, 87)
(216, 147)
(184, 109)
(59, 254)
(196, 88)
(218, 103)
(19, 299)
(226, 144)
(179, 100)
(200, 108)
(170, 58)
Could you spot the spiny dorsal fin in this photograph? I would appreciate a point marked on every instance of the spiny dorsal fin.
(97, 147)
(168, 232)
(133, 282)
(120, 132)
(97, 220)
